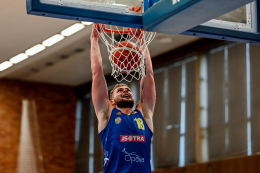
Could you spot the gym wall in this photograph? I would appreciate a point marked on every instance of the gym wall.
(55, 111)
(206, 118)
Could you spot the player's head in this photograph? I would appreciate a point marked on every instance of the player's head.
(122, 97)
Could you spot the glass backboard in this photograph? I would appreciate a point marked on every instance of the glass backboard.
(241, 19)
(240, 25)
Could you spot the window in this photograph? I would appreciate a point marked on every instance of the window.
(174, 116)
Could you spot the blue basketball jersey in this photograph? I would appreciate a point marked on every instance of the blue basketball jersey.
(126, 143)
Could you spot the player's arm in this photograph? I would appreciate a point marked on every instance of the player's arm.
(99, 86)
(147, 87)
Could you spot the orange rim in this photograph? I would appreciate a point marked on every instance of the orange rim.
(117, 31)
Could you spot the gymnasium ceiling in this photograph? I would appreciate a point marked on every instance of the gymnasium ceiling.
(68, 61)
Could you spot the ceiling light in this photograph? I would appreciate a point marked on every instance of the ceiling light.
(5, 65)
(35, 49)
(72, 29)
(87, 23)
(18, 58)
(52, 40)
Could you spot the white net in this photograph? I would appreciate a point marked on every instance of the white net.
(126, 49)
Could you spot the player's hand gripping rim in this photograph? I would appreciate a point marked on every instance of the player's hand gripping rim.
(97, 29)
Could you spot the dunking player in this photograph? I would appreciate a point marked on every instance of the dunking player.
(125, 134)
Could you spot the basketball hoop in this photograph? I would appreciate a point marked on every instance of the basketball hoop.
(126, 49)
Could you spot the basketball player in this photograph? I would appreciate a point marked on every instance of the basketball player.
(125, 134)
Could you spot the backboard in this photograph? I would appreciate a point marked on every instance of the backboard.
(240, 25)
(113, 12)
(232, 20)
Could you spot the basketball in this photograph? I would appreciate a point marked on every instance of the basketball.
(126, 56)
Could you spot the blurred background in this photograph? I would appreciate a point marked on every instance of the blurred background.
(206, 118)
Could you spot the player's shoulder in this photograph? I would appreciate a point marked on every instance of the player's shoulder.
(145, 111)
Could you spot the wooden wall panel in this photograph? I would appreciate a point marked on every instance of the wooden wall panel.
(197, 168)
(216, 108)
(173, 119)
(246, 164)
(237, 100)
(190, 136)
(159, 137)
(255, 96)
(82, 155)
(56, 107)
(171, 170)
(98, 150)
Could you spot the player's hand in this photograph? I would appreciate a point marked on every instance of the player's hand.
(97, 29)
(137, 34)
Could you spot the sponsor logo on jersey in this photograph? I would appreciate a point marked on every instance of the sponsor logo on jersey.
(118, 120)
(119, 113)
(140, 123)
(135, 112)
(132, 157)
(132, 138)
(105, 158)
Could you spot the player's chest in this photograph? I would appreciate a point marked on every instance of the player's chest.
(128, 124)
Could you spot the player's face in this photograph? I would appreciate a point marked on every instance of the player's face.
(123, 97)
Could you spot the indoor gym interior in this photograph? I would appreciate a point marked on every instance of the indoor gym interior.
(206, 117)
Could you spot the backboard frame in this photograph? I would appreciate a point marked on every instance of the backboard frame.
(172, 21)
(128, 19)
(193, 12)
(208, 31)
(250, 26)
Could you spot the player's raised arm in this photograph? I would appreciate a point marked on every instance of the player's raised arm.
(147, 85)
(147, 88)
(99, 86)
